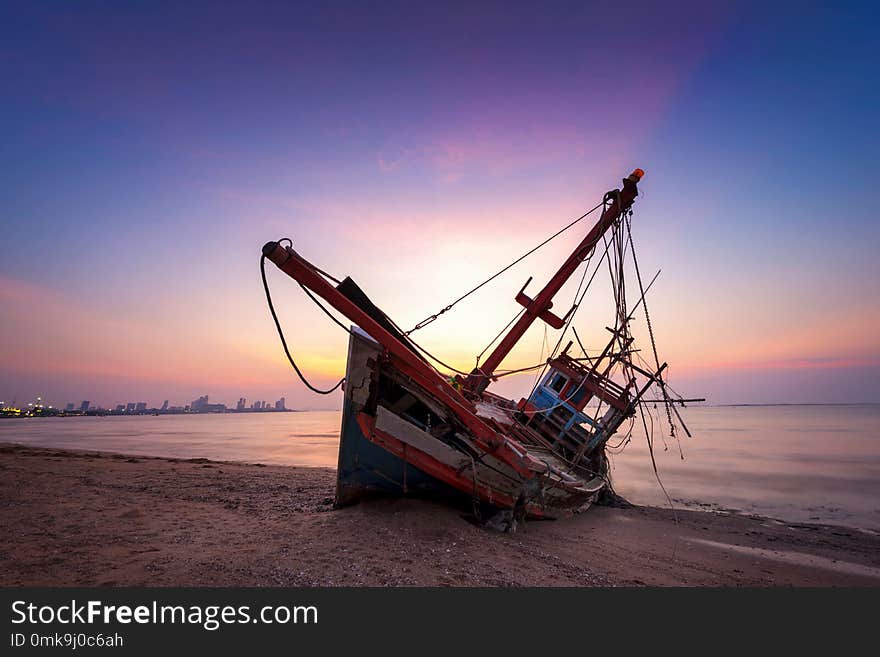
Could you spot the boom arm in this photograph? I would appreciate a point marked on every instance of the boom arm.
(540, 306)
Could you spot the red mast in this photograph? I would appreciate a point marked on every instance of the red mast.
(540, 306)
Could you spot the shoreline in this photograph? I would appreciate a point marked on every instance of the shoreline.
(86, 518)
(150, 412)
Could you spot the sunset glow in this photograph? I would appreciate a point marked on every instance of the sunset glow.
(143, 173)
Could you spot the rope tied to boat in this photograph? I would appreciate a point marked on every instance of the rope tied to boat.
(525, 255)
(281, 331)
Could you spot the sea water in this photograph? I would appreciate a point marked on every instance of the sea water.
(796, 463)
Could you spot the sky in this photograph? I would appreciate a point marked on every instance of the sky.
(150, 149)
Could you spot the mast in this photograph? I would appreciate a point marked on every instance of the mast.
(540, 306)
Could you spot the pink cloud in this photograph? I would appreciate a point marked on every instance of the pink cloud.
(15, 290)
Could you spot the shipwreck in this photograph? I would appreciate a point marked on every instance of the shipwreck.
(412, 424)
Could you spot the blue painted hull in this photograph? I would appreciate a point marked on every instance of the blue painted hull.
(399, 416)
(366, 469)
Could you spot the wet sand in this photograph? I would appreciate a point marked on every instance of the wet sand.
(96, 519)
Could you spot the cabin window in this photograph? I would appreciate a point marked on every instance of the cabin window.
(558, 383)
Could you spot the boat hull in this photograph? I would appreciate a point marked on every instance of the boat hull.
(396, 439)
(366, 469)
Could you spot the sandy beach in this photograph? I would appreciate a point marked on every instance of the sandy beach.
(76, 518)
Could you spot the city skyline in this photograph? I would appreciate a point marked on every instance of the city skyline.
(418, 149)
(88, 405)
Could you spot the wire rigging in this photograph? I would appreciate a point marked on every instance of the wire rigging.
(618, 242)
(281, 332)
(660, 381)
(616, 250)
(500, 333)
(464, 296)
(577, 304)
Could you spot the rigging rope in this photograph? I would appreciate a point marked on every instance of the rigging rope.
(281, 332)
(651, 334)
(576, 306)
(500, 333)
(433, 317)
(650, 438)
(337, 322)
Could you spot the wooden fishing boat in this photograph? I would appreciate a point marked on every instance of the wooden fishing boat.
(408, 428)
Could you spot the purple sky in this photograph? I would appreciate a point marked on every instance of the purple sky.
(150, 150)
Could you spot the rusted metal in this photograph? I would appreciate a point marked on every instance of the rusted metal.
(407, 427)
(539, 307)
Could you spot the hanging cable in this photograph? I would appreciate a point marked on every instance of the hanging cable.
(322, 307)
(281, 333)
(577, 305)
(581, 346)
(650, 438)
(500, 333)
(431, 318)
(651, 334)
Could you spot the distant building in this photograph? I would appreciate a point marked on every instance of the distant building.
(165, 405)
(141, 406)
(120, 408)
(279, 405)
(129, 407)
(84, 406)
(201, 405)
(240, 405)
(69, 406)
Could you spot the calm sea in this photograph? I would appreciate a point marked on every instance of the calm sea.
(796, 463)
